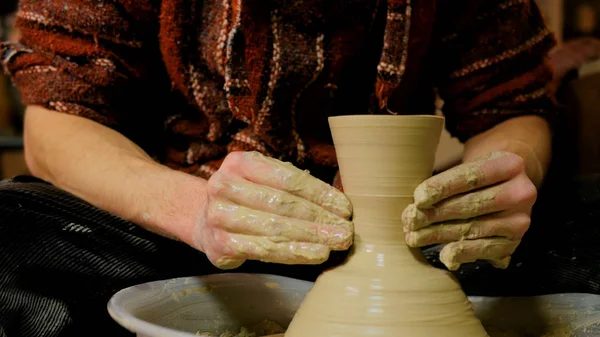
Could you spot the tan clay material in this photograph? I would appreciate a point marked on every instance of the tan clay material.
(385, 288)
(462, 208)
(265, 328)
(264, 209)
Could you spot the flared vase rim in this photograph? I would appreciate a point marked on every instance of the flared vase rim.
(387, 117)
(385, 120)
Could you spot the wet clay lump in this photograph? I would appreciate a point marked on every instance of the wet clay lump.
(385, 288)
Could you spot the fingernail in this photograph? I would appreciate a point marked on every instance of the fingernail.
(449, 262)
(448, 258)
(310, 253)
(341, 239)
(491, 155)
(332, 219)
(453, 266)
(426, 196)
(408, 215)
(340, 203)
(501, 263)
(412, 218)
(411, 239)
(228, 263)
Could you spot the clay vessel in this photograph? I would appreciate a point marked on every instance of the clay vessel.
(385, 288)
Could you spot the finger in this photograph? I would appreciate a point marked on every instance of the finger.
(518, 193)
(510, 226)
(501, 263)
(247, 247)
(274, 201)
(228, 262)
(279, 175)
(494, 249)
(242, 220)
(483, 171)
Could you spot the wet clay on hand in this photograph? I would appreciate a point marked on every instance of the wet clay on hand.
(385, 288)
(478, 210)
(260, 208)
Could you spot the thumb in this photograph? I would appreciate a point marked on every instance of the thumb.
(337, 181)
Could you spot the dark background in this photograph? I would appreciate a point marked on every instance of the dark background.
(573, 25)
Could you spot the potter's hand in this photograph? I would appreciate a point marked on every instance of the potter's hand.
(259, 208)
(480, 210)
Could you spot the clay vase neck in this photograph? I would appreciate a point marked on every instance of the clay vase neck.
(384, 288)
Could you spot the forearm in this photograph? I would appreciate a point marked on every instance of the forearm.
(527, 136)
(109, 171)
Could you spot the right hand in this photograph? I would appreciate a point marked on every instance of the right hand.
(259, 208)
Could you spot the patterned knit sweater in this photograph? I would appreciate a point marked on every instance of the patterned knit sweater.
(191, 80)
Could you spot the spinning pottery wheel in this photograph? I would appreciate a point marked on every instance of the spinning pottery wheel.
(228, 302)
(385, 288)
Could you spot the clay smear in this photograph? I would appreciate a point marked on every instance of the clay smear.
(385, 288)
(266, 328)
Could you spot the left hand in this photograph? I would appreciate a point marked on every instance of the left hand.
(480, 209)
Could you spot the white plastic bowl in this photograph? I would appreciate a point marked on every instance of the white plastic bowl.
(226, 302)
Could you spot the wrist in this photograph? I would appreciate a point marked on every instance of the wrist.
(171, 209)
(527, 136)
(534, 168)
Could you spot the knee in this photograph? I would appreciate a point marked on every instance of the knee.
(22, 192)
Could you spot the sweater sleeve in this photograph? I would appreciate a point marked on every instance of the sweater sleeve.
(84, 57)
(490, 61)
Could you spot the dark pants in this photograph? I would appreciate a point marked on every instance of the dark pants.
(61, 259)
